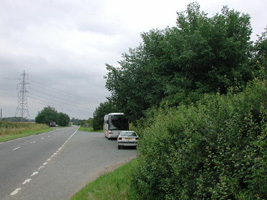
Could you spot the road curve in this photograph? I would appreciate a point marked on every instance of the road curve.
(56, 164)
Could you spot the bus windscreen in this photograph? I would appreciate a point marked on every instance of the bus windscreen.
(119, 122)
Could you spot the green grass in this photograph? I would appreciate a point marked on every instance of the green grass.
(90, 129)
(111, 186)
(14, 130)
(5, 138)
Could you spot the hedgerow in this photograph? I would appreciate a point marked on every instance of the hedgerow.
(214, 149)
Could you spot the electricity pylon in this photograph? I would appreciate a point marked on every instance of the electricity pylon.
(22, 108)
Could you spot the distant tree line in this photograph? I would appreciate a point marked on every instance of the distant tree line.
(179, 64)
(49, 114)
(16, 119)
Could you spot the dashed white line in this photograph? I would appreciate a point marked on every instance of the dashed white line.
(16, 191)
(53, 155)
(41, 167)
(34, 173)
(26, 181)
(45, 163)
(16, 148)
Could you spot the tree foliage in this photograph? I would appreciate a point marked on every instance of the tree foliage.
(200, 55)
(260, 56)
(204, 131)
(63, 119)
(49, 114)
(100, 112)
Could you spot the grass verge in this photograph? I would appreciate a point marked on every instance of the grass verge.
(5, 138)
(14, 130)
(90, 129)
(111, 186)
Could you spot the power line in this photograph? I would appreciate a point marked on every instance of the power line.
(60, 106)
(22, 107)
(63, 101)
(59, 102)
(67, 101)
(63, 93)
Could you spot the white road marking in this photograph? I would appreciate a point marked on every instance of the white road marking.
(26, 181)
(45, 163)
(41, 167)
(34, 173)
(16, 148)
(53, 155)
(49, 159)
(16, 191)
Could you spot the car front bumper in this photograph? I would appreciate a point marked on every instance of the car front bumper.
(128, 144)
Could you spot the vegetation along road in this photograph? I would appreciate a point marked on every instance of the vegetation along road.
(56, 164)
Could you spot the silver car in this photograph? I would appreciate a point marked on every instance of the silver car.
(127, 138)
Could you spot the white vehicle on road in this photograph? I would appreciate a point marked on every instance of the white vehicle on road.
(114, 123)
(127, 139)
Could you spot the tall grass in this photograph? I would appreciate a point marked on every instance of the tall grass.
(13, 130)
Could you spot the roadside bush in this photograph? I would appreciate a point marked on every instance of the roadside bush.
(215, 149)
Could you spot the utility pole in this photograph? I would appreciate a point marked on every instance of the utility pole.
(22, 108)
(1, 114)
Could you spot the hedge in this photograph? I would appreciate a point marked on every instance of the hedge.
(215, 149)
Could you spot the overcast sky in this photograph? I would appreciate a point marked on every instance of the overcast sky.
(63, 45)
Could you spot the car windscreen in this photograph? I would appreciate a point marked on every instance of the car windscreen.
(128, 134)
(118, 122)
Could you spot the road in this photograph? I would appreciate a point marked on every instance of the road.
(56, 164)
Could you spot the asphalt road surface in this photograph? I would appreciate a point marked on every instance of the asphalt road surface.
(55, 165)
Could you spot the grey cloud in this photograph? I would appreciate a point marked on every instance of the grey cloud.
(63, 45)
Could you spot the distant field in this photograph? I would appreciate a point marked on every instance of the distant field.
(14, 130)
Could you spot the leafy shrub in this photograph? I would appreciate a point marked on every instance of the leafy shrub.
(215, 149)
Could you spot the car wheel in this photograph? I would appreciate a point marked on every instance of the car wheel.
(119, 147)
